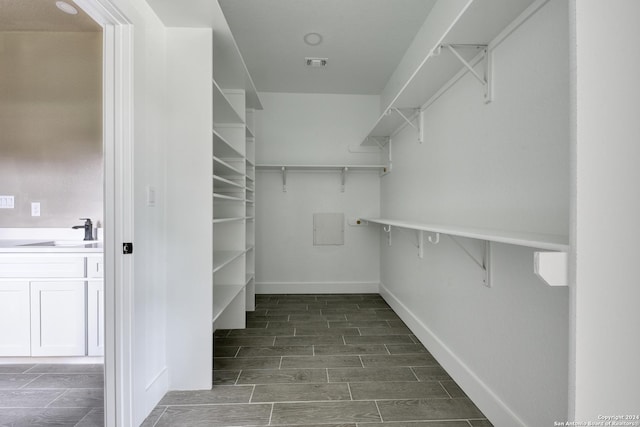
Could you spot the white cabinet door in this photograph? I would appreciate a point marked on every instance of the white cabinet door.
(95, 318)
(57, 318)
(15, 333)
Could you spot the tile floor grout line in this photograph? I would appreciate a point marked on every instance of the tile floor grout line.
(85, 416)
(418, 379)
(159, 417)
(378, 409)
(58, 397)
(349, 388)
(252, 391)
(33, 367)
(445, 389)
(238, 377)
(26, 384)
(271, 413)
(361, 361)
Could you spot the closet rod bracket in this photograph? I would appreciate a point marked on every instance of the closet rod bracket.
(487, 58)
(419, 127)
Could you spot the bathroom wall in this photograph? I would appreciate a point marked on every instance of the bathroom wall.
(51, 122)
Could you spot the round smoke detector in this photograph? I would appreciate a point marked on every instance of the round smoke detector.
(66, 8)
(313, 39)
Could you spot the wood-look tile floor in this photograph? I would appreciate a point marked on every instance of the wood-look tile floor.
(33, 395)
(321, 360)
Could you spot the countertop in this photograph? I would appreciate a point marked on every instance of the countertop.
(29, 246)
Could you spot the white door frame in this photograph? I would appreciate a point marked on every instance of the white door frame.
(118, 206)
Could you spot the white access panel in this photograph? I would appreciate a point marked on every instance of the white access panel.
(328, 229)
(57, 318)
(15, 330)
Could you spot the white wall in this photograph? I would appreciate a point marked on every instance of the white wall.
(189, 211)
(314, 129)
(506, 166)
(605, 371)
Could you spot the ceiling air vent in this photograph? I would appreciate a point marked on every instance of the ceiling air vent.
(316, 62)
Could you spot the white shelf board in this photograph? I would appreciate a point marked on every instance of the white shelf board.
(225, 184)
(223, 258)
(222, 197)
(250, 178)
(223, 220)
(221, 148)
(320, 167)
(223, 295)
(532, 240)
(221, 167)
(223, 111)
(485, 22)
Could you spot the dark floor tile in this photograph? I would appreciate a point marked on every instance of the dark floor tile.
(397, 390)
(221, 333)
(218, 394)
(215, 416)
(234, 363)
(15, 369)
(317, 317)
(67, 381)
(225, 377)
(397, 324)
(16, 380)
(42, 417)
(419, 424)
(224, 351)
(310, 340)
(324, 350)
(452, 388)
(244, 341)
(319, 425)
(299, 324)
(326, 331)
(370, 374)
(296, 350)
(385, 331)
(267, 318)
(280, 376)
(480, 423)
(341, 308)
(431, 373)
(379, 339)
(153, 417)
(324, 412)
(427, 409)
(359, 324)
(28, 398)
(418, 359)
(300, 392)
(67, 369)
(80, 398)
(255, 324)
(373, 314)
(406, 348)
(372, 304)
(321, 362)
(260, 332)
(95, 418)
(281, 311)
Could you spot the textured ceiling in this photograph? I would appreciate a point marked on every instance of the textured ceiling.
(42, 15)
(363, 40)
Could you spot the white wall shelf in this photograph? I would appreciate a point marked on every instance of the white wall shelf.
(222, 197)
(223, 149)
(223, 111)
(220, 183)
(548, 242)
(222, 167)
(343, 169)
(222, 220)
(441, 66)
(223, 258)
(223, 297)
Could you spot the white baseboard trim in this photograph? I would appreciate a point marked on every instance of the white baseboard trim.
(156, 389)
(317, 287)
(487, 401)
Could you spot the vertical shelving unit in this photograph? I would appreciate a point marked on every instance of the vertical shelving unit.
(250, 209)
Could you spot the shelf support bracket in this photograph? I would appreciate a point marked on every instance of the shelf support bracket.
(485, 81)
(284, 179)
(419, 128)
(421, 243)
(387, 230)
(484, 263)
(344, 177)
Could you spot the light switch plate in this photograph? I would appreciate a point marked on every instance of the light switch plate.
(7, 202)
(35, 208)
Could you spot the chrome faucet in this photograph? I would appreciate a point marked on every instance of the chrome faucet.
(88, 228)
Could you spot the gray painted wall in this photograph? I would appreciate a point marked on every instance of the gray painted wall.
(51, 127)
